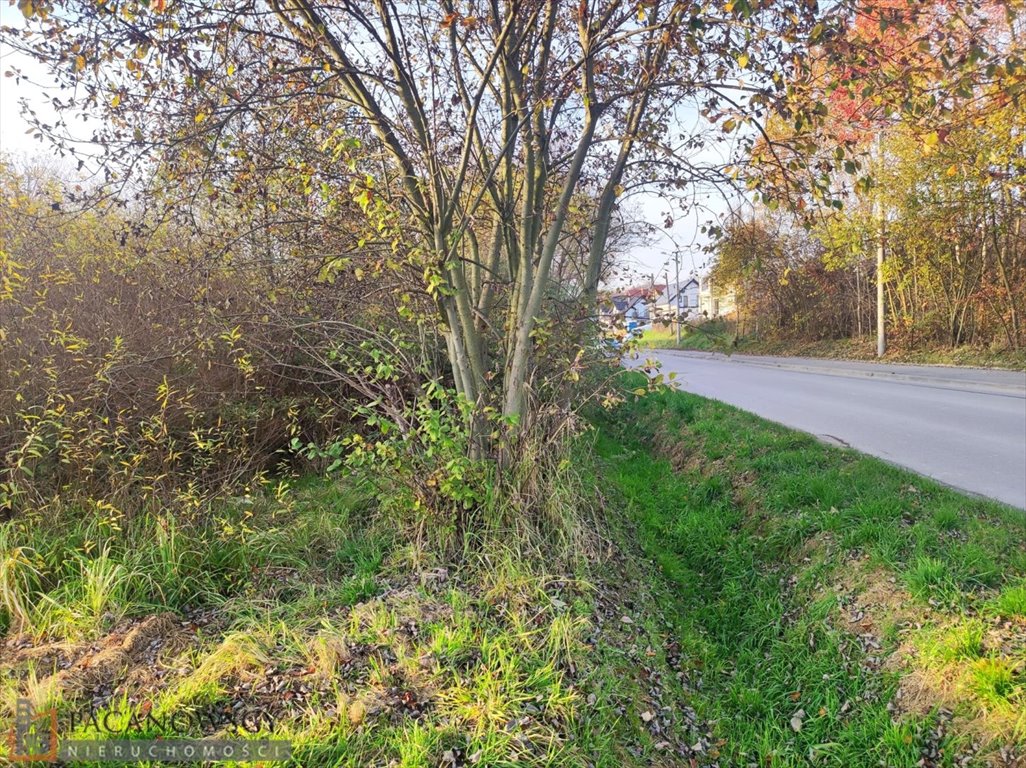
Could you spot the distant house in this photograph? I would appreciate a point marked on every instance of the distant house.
(619, 306)
(636, 310)
(680, 300)
(632, 307)
(716, 300)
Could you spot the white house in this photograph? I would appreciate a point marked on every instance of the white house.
(716, 301)
(677, 299)
(636, 311)
(631, 308)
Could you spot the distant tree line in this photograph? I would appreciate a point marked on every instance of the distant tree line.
(941, 186)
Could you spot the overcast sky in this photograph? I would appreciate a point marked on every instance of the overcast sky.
(14, 141)
(640, 264)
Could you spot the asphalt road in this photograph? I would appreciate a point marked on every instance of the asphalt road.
(965, 427)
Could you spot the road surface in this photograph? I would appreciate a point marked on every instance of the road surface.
(965, 427)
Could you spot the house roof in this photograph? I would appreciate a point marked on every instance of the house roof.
(620, 303)
(673, 290)
(643, 291)
(628, 298)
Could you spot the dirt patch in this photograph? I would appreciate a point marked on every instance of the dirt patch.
(366, 664)
(873, 602)
(921, 693)
(683, 451)
(132, 654)
(44, 659)
(118, 654)
(817, 548)
(740, 485)
(886, 621)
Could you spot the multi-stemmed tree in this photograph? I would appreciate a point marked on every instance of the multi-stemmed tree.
(468, 132)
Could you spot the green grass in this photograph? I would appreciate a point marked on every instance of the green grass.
(765, 533)
(996, 682)
(962, 641)
(69, 576)
(708, 616)
(376, 652)
(1010, 603)
(710, 336)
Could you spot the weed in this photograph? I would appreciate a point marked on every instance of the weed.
(927, 576)
(1010, 603)
(19, 576)
(239, 653)
(563, 639)
(964, 641)
(947, 518)
(103, 585)
(994, 681)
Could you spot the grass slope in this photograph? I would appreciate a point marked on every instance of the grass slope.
(832, 609)
(310, 613)
(746, 596)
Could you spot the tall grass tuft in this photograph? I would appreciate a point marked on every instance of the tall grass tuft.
(19, 577)
(104, 583)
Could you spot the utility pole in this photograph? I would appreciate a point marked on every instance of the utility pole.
(669, 306)
(881, 338)
(676, 286)
(858, 301)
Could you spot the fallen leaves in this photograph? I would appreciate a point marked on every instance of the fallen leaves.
(797, 720)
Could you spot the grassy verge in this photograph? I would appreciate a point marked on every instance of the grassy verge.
(718, 336)
(830, 609)
(305, 616)
(748, 596)
(711, 336)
